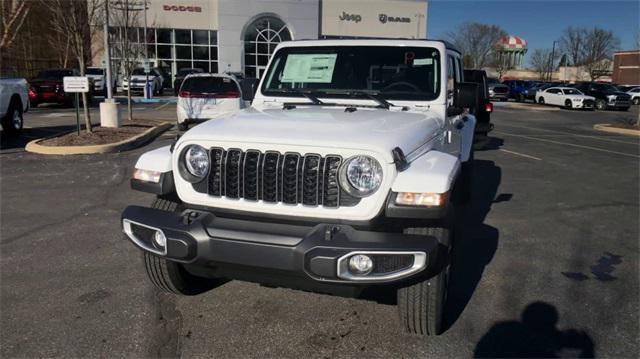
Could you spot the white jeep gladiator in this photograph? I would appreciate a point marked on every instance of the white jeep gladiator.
(14, 102)
(341, 177)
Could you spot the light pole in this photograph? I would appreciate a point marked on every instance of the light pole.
(107, 52)
(109, 111)
(553, 53)
(146, 53)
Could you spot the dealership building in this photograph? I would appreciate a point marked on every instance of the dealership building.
(241, 35)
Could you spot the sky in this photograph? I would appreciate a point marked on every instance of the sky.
(538, 22)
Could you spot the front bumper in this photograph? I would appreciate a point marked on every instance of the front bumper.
(317, 253)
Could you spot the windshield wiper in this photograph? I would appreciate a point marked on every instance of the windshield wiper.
(311, 95)
(375, 96)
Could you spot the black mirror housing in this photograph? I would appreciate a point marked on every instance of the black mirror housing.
(248, 87)
(465, 95)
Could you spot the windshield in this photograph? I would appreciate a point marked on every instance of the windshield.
(139, 72)
(605, 88)
(404, 73)
(95, 71)
(572, 92)
(54, 74)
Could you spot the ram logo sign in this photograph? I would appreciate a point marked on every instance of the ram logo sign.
(384, 18)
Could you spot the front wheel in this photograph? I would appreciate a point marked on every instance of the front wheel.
(421, 305)
(601, 105)
(541, 100)
(13, 121)
(169, 276)
(636, 101)
(568, 105)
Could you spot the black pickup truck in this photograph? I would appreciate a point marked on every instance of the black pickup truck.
(483, 109)
(607, 96)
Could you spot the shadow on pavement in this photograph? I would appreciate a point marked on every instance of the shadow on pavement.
(475, 242)
(30, 134)
(534, 336)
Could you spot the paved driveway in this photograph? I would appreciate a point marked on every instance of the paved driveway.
(546, 264)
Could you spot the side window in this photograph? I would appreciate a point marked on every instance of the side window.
(459, 74)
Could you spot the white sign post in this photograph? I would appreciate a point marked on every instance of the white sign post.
(76, 84)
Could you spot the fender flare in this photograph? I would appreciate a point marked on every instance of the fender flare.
(433, 172)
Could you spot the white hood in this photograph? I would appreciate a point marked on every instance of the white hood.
(370, 129)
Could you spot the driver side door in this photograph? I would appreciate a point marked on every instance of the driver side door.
(453, 142)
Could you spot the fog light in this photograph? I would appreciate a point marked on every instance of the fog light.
(159, 240)
(360, 264)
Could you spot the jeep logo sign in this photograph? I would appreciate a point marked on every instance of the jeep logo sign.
(181, 8)
(384, 18)
(350, 17)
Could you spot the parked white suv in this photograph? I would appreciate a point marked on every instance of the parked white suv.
(139, 78)
(14, 102)
(208, 96)
(343, 175)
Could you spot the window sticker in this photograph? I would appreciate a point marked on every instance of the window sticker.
(422, 62)
(316, 68)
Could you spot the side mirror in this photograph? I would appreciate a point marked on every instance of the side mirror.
(465, 95)
(248, 87)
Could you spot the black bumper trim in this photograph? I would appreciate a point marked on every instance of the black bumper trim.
(313, 252)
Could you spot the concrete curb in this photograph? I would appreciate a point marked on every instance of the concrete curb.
(124, 145)
(621, 131)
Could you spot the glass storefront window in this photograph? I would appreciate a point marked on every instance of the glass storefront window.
(183, 52)
(164, 36)
(201, 53)
(213, 37)
(200, 37)
(183, 36)
(172, 49)
(260, 39)
(164, 52)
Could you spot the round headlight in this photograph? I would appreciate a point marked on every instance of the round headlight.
(361, 175)
(196, 162)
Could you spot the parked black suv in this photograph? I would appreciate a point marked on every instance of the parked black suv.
(483, 109)
(607, 96)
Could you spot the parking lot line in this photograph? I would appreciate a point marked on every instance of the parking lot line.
(163, 106)
(569, 144)
(521, 154)
(601, 138)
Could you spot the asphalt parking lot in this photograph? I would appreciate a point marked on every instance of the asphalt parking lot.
(546, 261)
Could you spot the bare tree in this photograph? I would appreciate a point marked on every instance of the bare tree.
(477, 42)
(541, 62)
(72, 19)
(571, 42)
(597, 51)
(12, 16)
(124, 18)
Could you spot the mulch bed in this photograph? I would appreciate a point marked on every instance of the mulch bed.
(100, 135)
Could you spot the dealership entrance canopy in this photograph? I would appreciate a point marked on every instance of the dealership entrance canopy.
(240, 36)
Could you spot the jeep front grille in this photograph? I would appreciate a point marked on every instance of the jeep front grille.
(273, 177)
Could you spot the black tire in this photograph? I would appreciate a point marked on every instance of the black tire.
(568, 105)
(13, 120)
(601, 105)
(636, 101)
(541, 100)
(625, 109)
(520, 97)
(183, 126)
(170, 276)
(421, 305)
